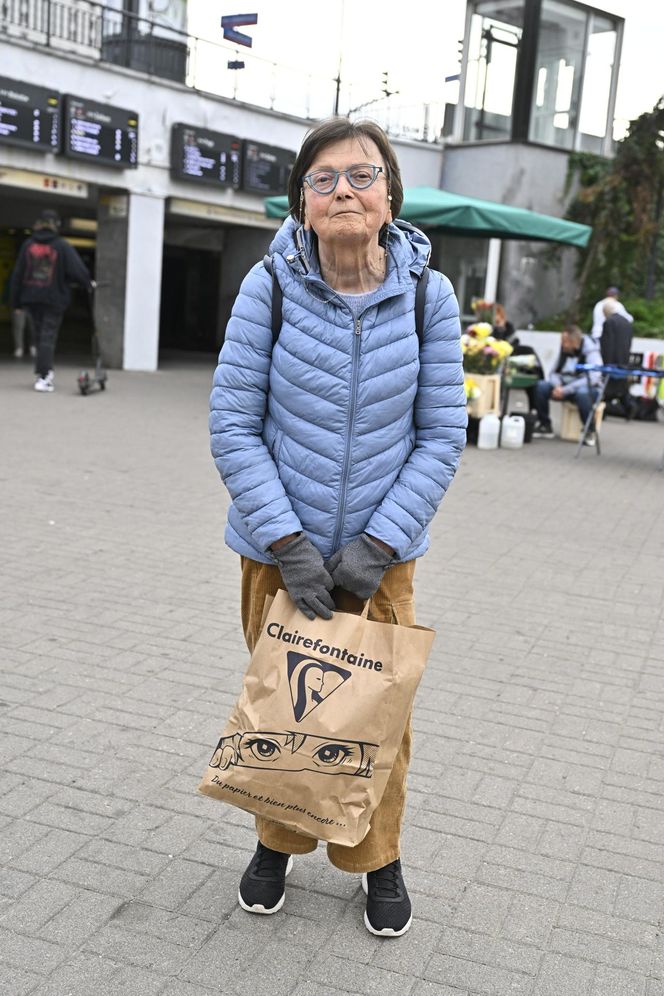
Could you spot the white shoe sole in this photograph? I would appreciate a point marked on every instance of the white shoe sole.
(386, 931)
(258, 907)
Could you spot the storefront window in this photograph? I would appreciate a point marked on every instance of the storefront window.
(464, 261)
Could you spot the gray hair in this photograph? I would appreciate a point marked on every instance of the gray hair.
(610, 307)
(574, 333)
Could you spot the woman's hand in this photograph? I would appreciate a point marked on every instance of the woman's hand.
(359, 566)
(307, 581)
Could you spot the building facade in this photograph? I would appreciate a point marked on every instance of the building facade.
(160, 185)
(538, 82)
(168, 237)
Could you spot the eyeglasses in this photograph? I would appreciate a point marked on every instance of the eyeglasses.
(324, 181)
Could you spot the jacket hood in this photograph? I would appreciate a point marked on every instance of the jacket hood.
(44, 235)
(409, 246)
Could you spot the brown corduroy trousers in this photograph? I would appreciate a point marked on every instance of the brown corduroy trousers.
(392, 603)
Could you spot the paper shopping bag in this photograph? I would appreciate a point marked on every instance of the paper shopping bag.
(313, 736)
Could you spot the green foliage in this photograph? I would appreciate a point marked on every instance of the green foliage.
(554, 323)
(648, 316)
(623, 200)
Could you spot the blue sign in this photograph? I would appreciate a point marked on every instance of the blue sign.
(232, 21)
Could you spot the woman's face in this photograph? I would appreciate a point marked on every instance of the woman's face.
(348, 215)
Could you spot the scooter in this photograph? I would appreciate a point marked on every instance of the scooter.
(89, 382)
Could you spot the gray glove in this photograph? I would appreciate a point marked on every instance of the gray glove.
(308, 582)
(359, 566)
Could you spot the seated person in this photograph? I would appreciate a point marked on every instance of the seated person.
(503, 329)
(564, 384)
(616, 346)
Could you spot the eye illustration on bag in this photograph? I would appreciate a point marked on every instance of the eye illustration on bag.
(295, 752)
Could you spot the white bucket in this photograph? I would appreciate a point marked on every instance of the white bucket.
(487, 438)
(512, 432)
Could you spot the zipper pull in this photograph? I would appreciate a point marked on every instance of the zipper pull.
(358, 326)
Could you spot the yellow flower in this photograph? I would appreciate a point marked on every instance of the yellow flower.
(471, 388)
(480, 330)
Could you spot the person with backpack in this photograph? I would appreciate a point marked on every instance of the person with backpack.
(45, 267)
(337, 421)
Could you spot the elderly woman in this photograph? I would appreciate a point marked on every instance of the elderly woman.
(338, 443)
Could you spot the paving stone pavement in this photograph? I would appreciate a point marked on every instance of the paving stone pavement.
(534, 840)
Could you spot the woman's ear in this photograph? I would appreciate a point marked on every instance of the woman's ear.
(303, 212)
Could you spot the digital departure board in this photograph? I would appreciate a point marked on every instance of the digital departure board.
(266, 168)
(205, 156)
(100, 133)
(29, 115)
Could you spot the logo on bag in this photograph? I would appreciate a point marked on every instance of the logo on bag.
(311, 682)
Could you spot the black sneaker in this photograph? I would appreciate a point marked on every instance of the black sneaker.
(543, 430)
(262, 887)
(388, 912)
(590, 440)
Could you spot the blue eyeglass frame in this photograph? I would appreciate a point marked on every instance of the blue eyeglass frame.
(377, 170)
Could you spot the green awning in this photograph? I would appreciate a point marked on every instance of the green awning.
(428, 207)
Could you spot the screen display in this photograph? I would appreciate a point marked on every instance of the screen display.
(29, 115)
(205, 156)
(108, 135)
(266, 168)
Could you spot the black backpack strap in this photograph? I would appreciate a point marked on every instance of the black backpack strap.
(277, 299)
(420, 298)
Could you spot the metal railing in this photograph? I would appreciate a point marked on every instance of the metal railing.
(101, 32)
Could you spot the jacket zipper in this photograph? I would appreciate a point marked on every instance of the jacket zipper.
(352, 405)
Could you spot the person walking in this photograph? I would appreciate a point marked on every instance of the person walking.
(20, 323)
(45, 267)
(616, 347)
(599, 316)
(338, 443)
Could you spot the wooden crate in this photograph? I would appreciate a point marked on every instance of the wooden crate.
(488, 402)
(571, 427)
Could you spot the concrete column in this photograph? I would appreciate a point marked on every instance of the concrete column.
(111, 275)
(145, 238)
(492, 268)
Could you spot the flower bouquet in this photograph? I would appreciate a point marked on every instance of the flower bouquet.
(483, 310)
(482, 353)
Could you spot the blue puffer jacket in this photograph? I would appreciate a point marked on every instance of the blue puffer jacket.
(346, 426)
